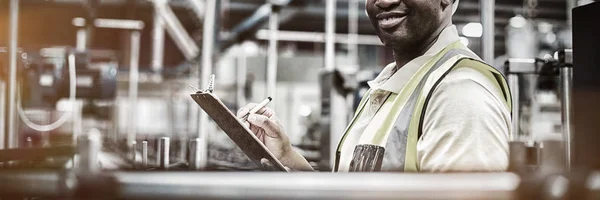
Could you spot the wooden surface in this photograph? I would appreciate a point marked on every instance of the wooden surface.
(240, 134)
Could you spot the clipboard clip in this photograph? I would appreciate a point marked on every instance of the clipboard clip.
(209, 89)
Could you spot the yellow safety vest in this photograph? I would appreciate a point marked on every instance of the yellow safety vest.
(403, 125)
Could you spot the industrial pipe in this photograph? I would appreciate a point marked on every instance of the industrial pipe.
(272, 55)
(12, 139)
(134, 59)
(488, 23)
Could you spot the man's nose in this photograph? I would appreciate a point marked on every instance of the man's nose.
(386, 3)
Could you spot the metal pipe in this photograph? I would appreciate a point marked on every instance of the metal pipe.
(208, 35)
(12, 139)
(566, 85)
(145, 154)
(2, 113)
(487, 21)
(513, 83)
(158, 40)
(300, 36)
(184, 42)
(353, 31)
(133, 85)
(272, 53)
(330, 35)
(162, 153)
(196, 154)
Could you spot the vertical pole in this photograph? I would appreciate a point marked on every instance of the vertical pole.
(487, 21)
(241, 76)
(144, 154)
(158, 39)
(570, 5)
(513, 83)
(208, 35)
(12, 138)
(2, 113)
(337, 121)
(195, 156)
(163, 148)
(272, 52)
(133, 85)
(353, 31)
(566, 85)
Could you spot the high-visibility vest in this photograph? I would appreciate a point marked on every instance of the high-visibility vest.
(404, 124)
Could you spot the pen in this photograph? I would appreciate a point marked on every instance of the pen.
(257, 107)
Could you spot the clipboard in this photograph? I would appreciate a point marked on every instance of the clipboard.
(235, 129)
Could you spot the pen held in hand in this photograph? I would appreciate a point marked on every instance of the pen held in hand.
(257, 108)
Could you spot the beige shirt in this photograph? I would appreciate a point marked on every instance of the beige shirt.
(466, 125)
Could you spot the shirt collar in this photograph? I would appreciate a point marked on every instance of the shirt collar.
(394, 82)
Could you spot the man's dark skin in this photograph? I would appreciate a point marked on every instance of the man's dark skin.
(417, 26)
(423, 22)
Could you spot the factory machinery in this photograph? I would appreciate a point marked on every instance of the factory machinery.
(97, 164)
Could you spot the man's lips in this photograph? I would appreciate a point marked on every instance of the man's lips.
(390, 19)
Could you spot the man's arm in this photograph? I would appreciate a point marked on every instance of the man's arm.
(466, 126)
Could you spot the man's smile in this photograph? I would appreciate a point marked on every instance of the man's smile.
(391, 19)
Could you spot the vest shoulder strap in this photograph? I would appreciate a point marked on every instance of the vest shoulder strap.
(469, 61)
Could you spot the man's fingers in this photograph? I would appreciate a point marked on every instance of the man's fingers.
(244, 110)
(263, 111)
(271, 128)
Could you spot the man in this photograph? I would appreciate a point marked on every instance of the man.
(437, 108)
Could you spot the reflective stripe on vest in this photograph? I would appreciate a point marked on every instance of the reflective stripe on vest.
(403, 126)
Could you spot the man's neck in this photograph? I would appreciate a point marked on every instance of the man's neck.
(405, 55)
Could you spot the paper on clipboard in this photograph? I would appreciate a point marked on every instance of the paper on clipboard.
(234, 128)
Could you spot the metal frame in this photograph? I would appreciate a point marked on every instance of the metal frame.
(514, 67)
(135, 27)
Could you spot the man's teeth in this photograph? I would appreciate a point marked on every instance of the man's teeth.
(389, 19)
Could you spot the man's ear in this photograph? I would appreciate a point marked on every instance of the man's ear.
(446, 4)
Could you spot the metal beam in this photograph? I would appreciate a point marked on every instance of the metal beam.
(184, 42)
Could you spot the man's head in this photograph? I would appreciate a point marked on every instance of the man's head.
(408, 23)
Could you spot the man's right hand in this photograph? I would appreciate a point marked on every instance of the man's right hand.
(265, 125)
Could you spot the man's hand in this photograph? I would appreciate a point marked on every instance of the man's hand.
(265, 125)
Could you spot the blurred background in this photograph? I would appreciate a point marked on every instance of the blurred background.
(132, 62)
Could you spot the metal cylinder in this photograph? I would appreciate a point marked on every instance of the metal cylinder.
(488, 24)
(132, 151)
(163, 152)
(513, 83)
(145, 154)
(158, 40)
(12, 90)
(88, 148)
(566, 85)
(196, 155)
(272, 53)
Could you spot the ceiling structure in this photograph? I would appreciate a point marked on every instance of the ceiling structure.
(306, 16)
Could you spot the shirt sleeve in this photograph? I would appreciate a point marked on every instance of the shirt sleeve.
(466, 125)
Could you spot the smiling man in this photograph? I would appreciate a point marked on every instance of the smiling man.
(437, 108)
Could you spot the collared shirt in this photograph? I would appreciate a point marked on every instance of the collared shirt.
(465, 127)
